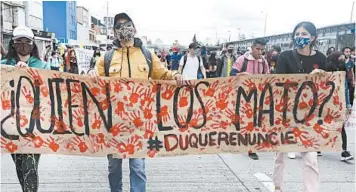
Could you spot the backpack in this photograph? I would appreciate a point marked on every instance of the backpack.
(109, 54)
(200, 74)
(244, 66)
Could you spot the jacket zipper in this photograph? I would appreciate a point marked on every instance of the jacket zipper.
(128, 62)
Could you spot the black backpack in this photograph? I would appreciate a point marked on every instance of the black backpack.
(199, 70)
(244, 66)
(109, 54)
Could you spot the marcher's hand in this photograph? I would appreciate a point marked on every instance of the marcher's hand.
(94, 74)
(178, 77)
(21, 64)
(318, 72)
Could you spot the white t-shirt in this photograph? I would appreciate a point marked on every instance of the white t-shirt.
(190, 70)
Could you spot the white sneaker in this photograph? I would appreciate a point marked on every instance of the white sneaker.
(291, 155)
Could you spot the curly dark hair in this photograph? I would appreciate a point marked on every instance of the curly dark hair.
(13, 55)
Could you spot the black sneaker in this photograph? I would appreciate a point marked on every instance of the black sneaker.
(346, 156)
(253, 156)
(319, 153)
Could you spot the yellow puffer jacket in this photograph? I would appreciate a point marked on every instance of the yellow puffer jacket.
(132, 58)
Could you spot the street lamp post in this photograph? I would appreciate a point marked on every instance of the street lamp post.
(264, 31)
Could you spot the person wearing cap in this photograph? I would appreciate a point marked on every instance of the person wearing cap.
(129, 61)
(191, 65)
(23, 52)
(175, 58)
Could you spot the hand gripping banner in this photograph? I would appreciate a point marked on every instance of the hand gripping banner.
(60, 113)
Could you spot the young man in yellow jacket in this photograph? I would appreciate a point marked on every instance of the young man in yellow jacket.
(129, 59)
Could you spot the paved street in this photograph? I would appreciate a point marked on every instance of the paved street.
(224, 172)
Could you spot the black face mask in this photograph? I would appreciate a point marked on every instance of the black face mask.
(274, 58)
(175, 53)
(230, 50)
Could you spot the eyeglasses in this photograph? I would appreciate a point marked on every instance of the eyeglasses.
(126, 24)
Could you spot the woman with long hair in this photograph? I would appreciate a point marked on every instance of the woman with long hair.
(304, 59)
(212, 65)
(96, 56)
(23, 52)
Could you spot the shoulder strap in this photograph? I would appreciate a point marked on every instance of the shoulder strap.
(297, 60)
(185, 61)
(244, 65)
(263, 66)
(107, 61)
(148, 58)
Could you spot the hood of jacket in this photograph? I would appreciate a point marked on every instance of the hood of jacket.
(248, 56)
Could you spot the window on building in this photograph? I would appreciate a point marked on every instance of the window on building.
(7, 13)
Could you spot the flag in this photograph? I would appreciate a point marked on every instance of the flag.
(194, 39)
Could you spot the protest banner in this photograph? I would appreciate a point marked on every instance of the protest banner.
(60, 113)
(83, 58)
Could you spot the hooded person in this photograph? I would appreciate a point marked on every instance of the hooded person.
(129, 59)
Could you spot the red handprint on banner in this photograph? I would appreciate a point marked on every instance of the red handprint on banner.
(331, 115)
(119, 128)
(78, 114)
(38, 81)
(5, 101)
(104, 105)
(97, 122)
(37, 141)
(27, 95)
(147, 98)
(248, 110)
(249, 128)
(120, 109)
(150, 130)
(135, 95)
(80, 143)
(147, 112)
(50, 143)
(132, 144)
(8, 145)
(135, 117)
(183, 123)
(250, 84)
(164, 114)
(220, 124)
(183, 101)
(168, 92)
(221, 103)
(211, 89)
(234, 118)
(320, 130)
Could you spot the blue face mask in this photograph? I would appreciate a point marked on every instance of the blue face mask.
(301, 42)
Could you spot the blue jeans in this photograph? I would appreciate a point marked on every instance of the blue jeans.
(137, 174)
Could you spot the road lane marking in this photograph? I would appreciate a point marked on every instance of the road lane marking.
(265, 180)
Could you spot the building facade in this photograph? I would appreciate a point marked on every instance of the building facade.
(24, 13)
(337, 36)
(61, 18)
(83, 25)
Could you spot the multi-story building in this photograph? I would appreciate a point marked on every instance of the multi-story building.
(83, 25)
(109, 24)
(61, 18)
(337, 36)
(23, 13)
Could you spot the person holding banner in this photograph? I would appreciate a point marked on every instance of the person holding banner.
(23, 52)
(129, 59)
(252, 62)
(301, 60)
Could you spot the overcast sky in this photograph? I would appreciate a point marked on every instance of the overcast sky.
(213, 19)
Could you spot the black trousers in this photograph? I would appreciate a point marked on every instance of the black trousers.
(27, 171)
(344, 138)
(352, 95)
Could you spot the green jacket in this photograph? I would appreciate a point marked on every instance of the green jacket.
(32, 62)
